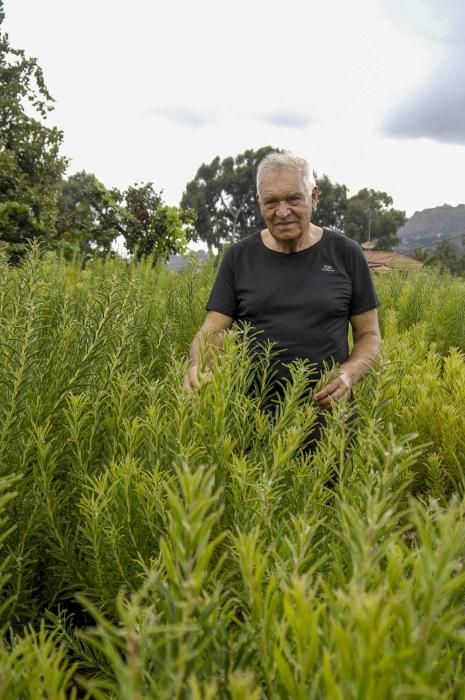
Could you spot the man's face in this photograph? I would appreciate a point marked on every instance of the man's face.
(285, 204)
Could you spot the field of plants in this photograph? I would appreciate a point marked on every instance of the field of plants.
(162, 545)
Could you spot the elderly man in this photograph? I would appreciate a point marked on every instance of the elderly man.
(298, 285)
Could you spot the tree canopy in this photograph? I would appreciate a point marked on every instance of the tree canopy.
(369, 215)
(223, 195)
(88, 214)
(150, 227)
(332, 204)
(31, 166)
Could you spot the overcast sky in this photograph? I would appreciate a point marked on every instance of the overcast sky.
(372, 92)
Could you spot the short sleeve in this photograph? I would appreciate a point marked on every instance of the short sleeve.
(223, 297)
(364, 297)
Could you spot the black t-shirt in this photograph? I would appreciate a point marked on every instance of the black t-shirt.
(302, 301)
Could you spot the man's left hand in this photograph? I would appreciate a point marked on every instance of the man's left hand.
(337, 390)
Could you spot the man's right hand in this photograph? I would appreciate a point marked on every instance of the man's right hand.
(211, 333)
(191, 379)
(194, 378)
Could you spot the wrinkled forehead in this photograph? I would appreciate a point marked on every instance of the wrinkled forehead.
(281, 181)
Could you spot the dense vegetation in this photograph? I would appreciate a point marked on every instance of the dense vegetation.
(158, 545)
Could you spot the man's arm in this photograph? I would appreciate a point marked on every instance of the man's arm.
(211, 332)
(365, 351)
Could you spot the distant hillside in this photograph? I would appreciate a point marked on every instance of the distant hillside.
(428, 227)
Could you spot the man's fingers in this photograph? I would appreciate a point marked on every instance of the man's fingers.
(337, 390)
(189, 385)
(193, 379)
(330, 389)
(330, 400)
(326, 391)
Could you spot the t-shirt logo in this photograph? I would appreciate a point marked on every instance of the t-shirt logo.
(327, 268)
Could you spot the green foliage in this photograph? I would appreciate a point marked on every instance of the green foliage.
(88, 215)
(332, 204)
(30, 163)
(447, 258)
(366, 215)
(35, 665)
(370, 215)
(223, 195)
(171, 545)
(150, 227)
(428, 298)
(6, 495)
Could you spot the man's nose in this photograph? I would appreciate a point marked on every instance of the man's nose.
(283, 208)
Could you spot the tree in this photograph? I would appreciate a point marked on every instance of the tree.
(223, 195)
(89, 215)
(447, 258)
(369, 215)
(151, 227)
(30, 164)
(332, 204)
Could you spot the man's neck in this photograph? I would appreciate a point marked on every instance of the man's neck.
(307, 240)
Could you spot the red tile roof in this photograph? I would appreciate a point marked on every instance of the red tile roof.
(384, 261)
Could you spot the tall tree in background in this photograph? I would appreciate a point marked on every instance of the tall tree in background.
(223, 195)
(332, 204)
(89, 215)
(369, 215)
(150, 227)
(30, 164)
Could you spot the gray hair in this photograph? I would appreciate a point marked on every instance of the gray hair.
(288, 161)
